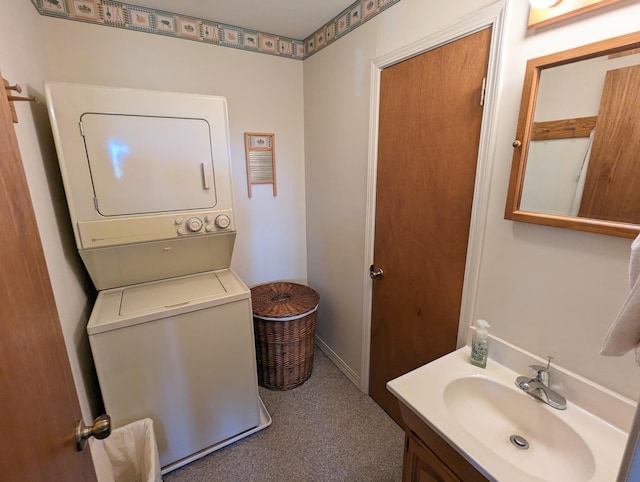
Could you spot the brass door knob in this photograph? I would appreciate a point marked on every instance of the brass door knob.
(376, 273)
(100, 429)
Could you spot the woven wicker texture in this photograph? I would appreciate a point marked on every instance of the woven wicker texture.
(281, 300)
(284, 348)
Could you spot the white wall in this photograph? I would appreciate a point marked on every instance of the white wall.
(264, 94)
(336, 95)
(548, 290)
(22, 61)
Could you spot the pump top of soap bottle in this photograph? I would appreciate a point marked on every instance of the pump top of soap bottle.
(481, 328)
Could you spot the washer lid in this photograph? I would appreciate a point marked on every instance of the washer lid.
(137, 304)
(178, 292)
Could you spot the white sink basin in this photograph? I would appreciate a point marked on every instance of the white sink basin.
(493, 413)
(478, 410)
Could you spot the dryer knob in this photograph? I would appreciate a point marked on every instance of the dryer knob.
(194, 224)
(223, 221)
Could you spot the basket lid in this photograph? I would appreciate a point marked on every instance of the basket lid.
(283, 299)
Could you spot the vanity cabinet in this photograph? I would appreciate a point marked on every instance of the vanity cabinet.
(421, 464)
(428, 458)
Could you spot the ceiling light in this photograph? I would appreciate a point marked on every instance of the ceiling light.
(543, 3)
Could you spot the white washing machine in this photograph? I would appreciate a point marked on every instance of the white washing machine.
(147, 177)
(180, 352)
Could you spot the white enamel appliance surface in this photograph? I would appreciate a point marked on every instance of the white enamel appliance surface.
(137, 162)
(143, 164)
(191, 368)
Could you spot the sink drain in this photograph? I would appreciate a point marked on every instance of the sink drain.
(519, 442)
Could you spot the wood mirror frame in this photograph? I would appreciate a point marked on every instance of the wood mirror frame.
(525, 130)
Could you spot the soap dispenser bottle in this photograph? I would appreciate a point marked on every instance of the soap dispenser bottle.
(480, 344)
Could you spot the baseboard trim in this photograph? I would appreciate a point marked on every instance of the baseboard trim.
(333, 356)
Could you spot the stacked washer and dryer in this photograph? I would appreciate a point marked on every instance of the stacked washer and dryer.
(147, 177)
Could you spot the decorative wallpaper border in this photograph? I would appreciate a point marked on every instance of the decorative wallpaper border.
(113, 13)
(356, 14)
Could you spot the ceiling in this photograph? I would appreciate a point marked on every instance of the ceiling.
(295, 19)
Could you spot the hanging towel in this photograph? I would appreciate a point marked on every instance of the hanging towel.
(581, 177)
(624, 334)
(634, 263)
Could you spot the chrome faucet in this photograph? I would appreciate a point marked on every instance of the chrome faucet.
(539, 386)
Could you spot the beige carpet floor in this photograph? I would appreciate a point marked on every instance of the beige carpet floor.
(323, 430)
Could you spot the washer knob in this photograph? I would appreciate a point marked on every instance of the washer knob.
(222, 221)
(194, 224)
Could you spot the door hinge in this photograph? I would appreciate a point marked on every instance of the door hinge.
(483, 91)
(81, 128)
(95, 203)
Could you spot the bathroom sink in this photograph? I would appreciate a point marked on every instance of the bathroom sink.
(519, 428)
(508, 435)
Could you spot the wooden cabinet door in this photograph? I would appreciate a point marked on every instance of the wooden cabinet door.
(422, 465)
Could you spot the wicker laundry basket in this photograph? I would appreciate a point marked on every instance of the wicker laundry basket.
(284, 320)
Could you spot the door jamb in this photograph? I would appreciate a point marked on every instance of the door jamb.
(492, 16)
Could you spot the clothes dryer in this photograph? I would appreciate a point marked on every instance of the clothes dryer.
(147, 177)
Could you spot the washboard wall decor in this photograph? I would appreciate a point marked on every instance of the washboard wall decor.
(261, 159)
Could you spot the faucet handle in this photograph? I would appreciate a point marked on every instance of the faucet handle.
(542, 372)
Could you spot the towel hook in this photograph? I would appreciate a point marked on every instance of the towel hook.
(16, 87)
(13, 98)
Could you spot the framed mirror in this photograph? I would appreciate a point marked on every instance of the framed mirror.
(576, 160)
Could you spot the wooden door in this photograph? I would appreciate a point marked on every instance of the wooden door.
(429, 133)
(38, 401)
(609, 188)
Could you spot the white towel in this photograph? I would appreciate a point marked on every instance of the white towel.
(634, 263)
(624, 333)
(581, 177)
